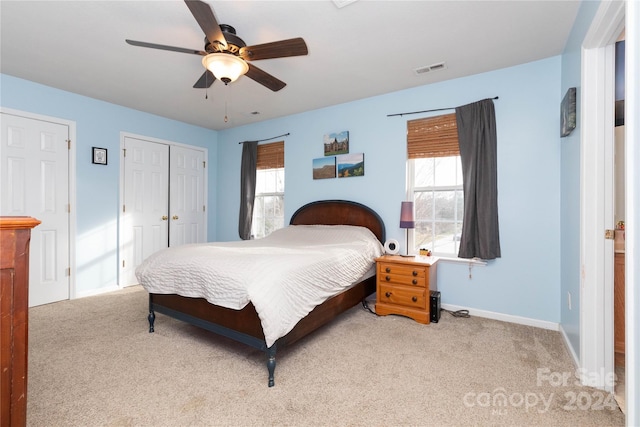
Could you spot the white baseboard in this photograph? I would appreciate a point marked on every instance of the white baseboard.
(506, 317)
(99, 291)
(567, 344)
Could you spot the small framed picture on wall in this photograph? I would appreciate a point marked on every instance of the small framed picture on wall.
(99, 156)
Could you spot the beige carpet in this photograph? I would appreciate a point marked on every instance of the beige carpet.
(93, 363)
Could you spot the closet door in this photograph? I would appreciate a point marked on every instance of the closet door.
(186, 196)
(163, 197)
(145, 210)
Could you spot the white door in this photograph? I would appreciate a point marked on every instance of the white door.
(186, 198)
(34, 175)
(163, 193)
(145, 215)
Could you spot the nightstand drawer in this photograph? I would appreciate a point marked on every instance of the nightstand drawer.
(402, 279)
(403, 295)
(396, 269)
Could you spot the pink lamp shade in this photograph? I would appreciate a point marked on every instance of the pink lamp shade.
(406, 215)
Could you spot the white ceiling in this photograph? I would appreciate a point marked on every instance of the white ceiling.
(363, 49)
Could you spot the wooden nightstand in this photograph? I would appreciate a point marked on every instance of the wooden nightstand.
(403, 286)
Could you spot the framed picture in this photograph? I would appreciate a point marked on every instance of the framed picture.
(568, 113)
(324, 167)
(350, 165)
(336, 143)
(99, 156)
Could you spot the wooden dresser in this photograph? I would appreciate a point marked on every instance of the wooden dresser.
(403, 286)
(15, 233)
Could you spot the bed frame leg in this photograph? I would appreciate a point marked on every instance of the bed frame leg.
(271, 364)
(152, 318)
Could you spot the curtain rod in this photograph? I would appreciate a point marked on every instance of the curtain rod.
(266, 139)
(426, 111)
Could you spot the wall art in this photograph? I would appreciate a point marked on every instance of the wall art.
(568, 113)
(99, 156)
(324, 167)
(336, 143)
(350, 165)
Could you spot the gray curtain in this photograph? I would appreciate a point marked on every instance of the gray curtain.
(247, 187)
(478, 145)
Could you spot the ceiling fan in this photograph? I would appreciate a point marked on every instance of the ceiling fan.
(226, 56)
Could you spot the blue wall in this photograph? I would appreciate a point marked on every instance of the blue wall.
(526, 280)
(570, 181)
(99, 124)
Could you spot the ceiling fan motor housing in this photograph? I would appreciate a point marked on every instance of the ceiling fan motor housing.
(234, 43)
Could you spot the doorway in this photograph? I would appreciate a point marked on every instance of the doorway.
(597, 195)
(36, 173)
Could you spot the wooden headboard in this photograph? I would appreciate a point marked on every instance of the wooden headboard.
(339, 212)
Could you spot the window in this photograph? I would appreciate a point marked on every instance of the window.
(434, 183)
(268, 208)
(438, 203)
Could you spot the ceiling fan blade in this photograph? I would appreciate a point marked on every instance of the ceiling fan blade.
(207, 20)
(205, 80)
(279, 49)
(264, 78)
(165, 47)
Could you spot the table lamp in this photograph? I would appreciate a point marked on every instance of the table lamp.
(406, 222)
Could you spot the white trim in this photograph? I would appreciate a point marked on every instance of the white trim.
(543, 324)
(606, 26)
(591, 223)
(98, 291)
(71, 125)
(596, 253)
(632, 214)
(471, 262)
(565, 338)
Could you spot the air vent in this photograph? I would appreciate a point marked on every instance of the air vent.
(430, 68)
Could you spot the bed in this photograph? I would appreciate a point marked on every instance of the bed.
(244, 325)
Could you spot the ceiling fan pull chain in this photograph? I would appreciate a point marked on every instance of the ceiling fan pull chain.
(227, 94)
(226, 119)
(206, 86)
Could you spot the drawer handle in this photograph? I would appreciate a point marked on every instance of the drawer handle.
(415, 273)
(387, 278)
(388, 270)
(388, 294)
(414, 299)
(414, 281)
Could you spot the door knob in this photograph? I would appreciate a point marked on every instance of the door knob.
(174, 217)
(164, 217)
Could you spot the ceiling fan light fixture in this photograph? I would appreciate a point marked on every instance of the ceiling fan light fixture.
(225, 66)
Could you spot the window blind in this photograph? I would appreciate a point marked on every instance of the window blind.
(433, 137)
(270, 156)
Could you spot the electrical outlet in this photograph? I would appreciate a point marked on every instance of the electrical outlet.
(569, 300)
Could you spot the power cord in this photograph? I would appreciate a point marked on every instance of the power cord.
(458, 313)
(365, 305)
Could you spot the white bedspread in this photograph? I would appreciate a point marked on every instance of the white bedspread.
(285, 275)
